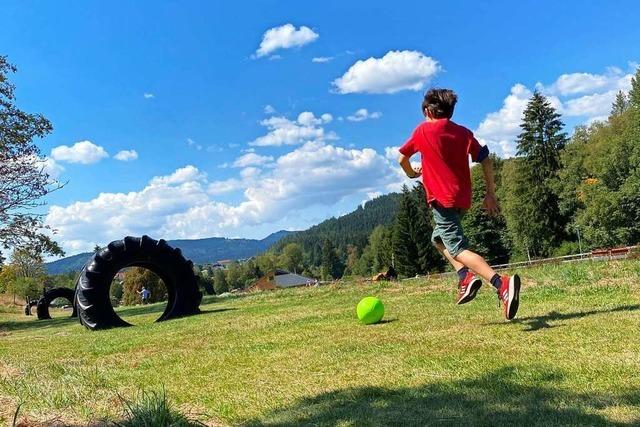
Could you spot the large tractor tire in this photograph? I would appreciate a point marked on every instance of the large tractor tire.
(42, 308)
(92, 290)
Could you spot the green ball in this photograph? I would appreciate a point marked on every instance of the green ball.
(370, 310)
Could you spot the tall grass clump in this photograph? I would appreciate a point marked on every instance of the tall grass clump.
(153, 409)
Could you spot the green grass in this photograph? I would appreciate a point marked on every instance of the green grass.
(300, 357)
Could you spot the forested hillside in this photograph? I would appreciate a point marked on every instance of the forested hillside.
(352, 229)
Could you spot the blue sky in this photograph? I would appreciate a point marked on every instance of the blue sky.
(88, 65)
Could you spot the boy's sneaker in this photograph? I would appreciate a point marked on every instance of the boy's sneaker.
(468, 288)
(509, 295)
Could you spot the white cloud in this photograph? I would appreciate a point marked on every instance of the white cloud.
(83, 152)
(322, 59)
(183, 204)
(52, 168)
(282, 131)
(221, 187)
(251, 159)
(585, 96)
(364, 114)
(268, 109)
(148, 95)
(285, 37)
(394, 72)
(590, 106)
(126, 155)
(500, 128)
(580, 83)
(182, 175)
(195, 145)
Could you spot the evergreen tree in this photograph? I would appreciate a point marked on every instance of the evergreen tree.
(331, 266)
(404, 236)
(381, 246)
(620, 104)
(531, 204)
(541, 139)
(633, 98)
(429, 259)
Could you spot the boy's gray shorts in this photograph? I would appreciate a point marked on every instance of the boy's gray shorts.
(448, 229)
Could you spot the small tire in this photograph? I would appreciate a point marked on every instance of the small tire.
(42, 308)
(92, 290)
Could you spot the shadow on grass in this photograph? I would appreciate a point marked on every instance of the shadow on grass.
(535, 323)
(159, 309)
(34, 323)
(139, 310)
(494, 399)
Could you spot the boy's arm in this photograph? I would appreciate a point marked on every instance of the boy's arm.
(405, 164)
(490, 200)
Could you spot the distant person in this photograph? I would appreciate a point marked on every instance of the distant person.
(445, 147)
(145, 294)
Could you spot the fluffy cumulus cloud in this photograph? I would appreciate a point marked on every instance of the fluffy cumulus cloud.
(394, 72)
(185, 204)
(83, 152)
(126, 155)
(283, 131)
(364, 114)
(251, 159)
(584, 83)
(285, 37)
(579, 97)
(499, 128)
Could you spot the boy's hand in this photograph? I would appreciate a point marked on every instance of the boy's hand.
(417, 171)
(491, 204)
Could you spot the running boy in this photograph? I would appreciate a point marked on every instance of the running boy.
(445, 148)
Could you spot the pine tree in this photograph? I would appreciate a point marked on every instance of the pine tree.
(532, 206)
(541, 139)
(429, 259)
(331, 266)
(620, 104)
(633, 98)
(404, 236)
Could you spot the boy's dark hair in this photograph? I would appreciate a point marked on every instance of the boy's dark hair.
(439, 103)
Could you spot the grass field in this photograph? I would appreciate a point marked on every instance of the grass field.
(300, 357)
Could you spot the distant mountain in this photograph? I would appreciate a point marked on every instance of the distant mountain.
(351, 229)
(199, 251)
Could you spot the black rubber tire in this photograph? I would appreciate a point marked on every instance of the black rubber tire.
(42, 308)
(92, 290)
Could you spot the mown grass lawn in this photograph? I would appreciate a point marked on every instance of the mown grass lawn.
(300, 357)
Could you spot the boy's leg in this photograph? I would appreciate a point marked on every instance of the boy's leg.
(456, 264)
(508, 287)
(468, 283)
(448, 229)
(476, 263)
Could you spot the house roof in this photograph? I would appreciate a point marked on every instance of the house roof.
(288, 280)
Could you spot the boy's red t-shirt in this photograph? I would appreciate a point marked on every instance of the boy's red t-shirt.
(445, 148)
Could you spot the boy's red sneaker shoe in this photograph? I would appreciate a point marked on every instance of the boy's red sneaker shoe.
(509, 295)
(468, 288)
